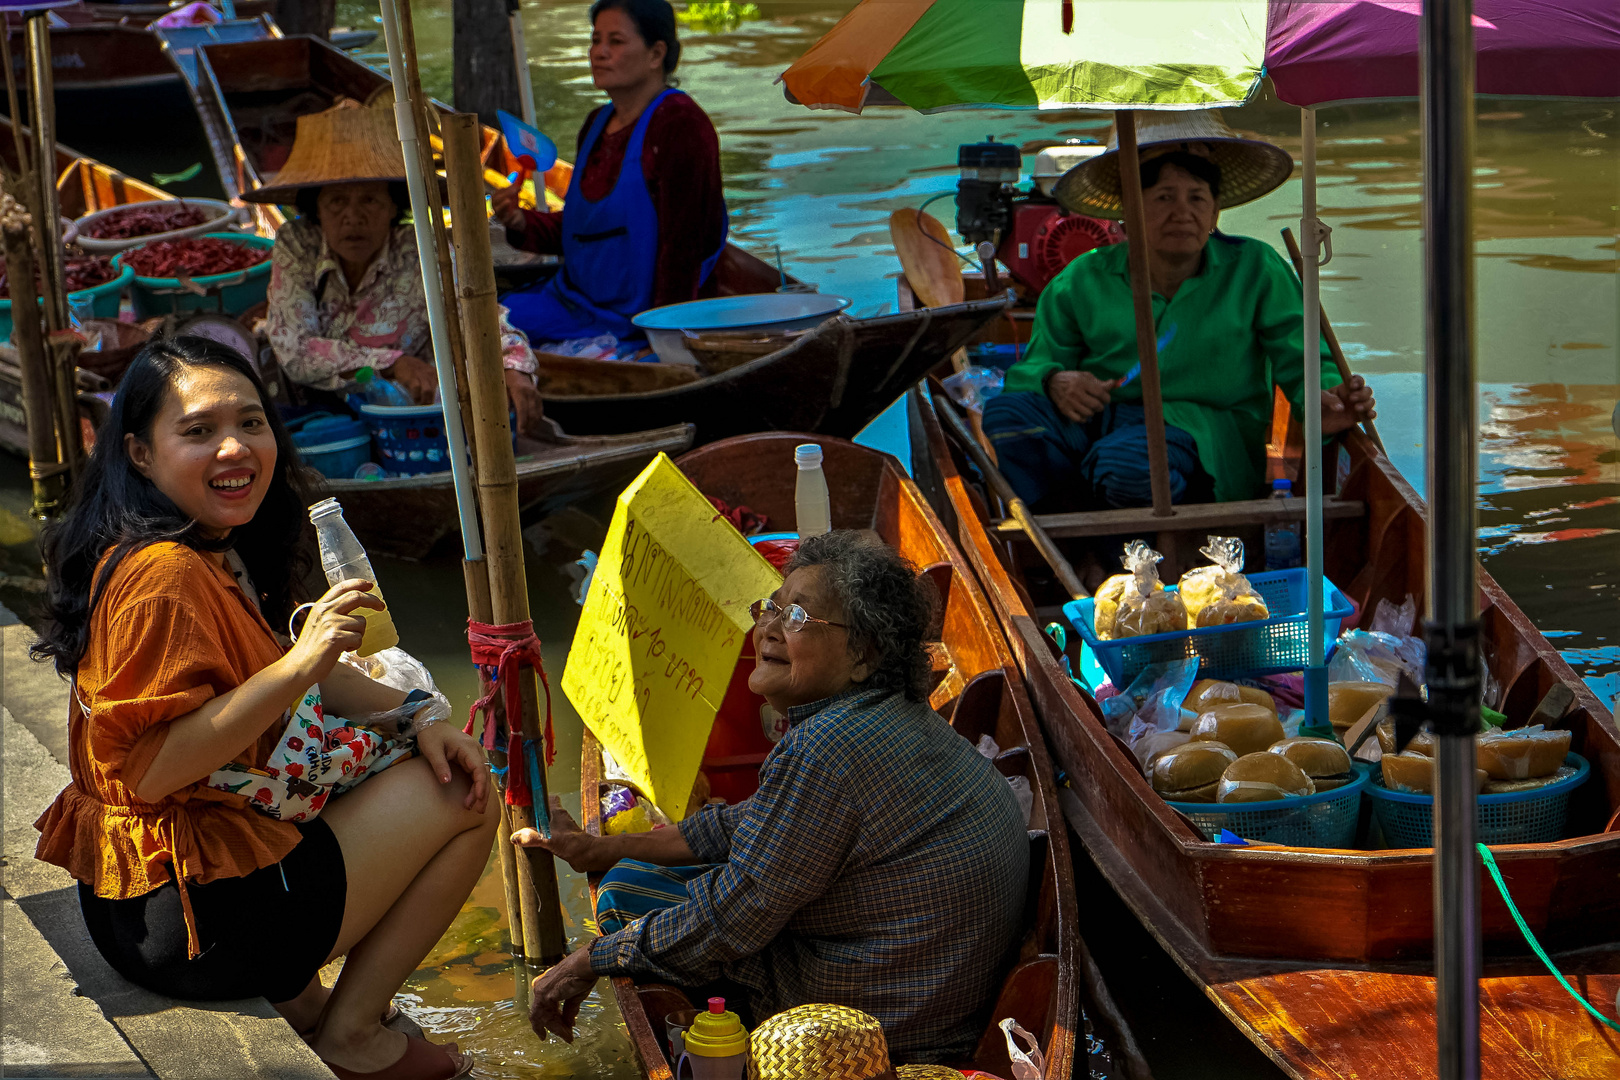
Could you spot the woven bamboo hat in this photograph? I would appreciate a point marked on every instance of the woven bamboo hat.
(345, 144)
(1249, 168)
(819, 1042)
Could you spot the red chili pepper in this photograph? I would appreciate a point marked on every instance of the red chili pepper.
(78, 272)
(197, 257)
(145, 219)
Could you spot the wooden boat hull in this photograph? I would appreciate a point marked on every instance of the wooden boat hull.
(832, 381)
(1320, 957)
(978, 690)
(407, 516)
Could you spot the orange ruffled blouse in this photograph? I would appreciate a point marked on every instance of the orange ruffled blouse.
(171, 630)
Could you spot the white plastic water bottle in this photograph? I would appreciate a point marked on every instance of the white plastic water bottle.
(1284, 550)
(811, 506)
(380, 391)
(342, 558)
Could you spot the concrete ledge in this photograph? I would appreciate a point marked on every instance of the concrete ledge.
(67, 1013)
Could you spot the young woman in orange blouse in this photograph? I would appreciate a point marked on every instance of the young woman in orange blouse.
(182, 552)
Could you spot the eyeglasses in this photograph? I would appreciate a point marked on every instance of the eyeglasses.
(793, 616)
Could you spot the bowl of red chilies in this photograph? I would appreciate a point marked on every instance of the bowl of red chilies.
(227, 272)
(107, 232)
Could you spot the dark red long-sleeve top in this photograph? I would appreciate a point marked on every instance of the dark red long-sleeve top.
(680, 159)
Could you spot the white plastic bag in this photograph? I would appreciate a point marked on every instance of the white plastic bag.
(394, 667)
(1026, 1065)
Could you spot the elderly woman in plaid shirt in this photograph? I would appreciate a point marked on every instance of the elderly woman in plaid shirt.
(880, 865)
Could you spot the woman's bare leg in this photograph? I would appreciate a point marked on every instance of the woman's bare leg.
(303, 1011)
(412, 853)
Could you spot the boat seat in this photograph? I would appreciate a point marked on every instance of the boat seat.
(1028, 995)
(978, 708)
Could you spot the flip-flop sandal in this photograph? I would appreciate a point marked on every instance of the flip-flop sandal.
(422, 1061)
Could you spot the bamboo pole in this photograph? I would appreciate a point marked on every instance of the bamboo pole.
(1329, 335)
(497, 480)
(63, 347)
(44, 468)
(1147, 349)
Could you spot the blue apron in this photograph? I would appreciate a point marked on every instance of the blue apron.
(610, 253)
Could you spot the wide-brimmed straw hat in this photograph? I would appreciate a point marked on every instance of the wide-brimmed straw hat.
(1249, 168)
(345, 144)
(819, 1042)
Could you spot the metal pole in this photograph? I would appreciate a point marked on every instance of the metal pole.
(520, 55)
(426, 249)
(1452, 628)
(1316, 676)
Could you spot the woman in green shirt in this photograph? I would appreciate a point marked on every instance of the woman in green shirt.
(1068, 429)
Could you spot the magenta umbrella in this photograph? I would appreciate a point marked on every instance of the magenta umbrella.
(1320, 52)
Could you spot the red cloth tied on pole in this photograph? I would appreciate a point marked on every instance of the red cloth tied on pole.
(502, 650)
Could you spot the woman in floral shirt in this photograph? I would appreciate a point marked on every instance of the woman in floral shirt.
(345, 280)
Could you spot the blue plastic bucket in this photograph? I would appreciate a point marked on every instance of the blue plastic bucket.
(1242, 650)
(338, 460)
(232, 293)
(104, 300)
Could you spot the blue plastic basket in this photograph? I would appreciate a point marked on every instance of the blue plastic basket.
(1538, 816)
(410, 438)
(1324, 820)
(1242, 650)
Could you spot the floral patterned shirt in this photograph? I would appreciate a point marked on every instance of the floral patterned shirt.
(322, 332)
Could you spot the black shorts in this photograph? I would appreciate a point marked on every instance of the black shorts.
(263, 935)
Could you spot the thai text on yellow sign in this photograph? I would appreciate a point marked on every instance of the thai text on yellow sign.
(661, 630)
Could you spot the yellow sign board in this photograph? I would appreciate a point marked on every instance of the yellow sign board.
(661, 630)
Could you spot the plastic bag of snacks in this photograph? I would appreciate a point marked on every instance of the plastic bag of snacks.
(1373, 656)
(1136, 602)
(1220, 595)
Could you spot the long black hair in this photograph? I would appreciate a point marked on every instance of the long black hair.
(655, 21)
(115, 508)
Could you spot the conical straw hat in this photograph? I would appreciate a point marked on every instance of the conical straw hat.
(819, 1042)
(347, 143)
(1249, 168)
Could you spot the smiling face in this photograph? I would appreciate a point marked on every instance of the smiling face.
(814, 663)
(211, 449)
(356, 219)
(1181, 213)
(621, 59)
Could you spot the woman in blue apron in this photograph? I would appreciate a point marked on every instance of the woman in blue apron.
(645, 218)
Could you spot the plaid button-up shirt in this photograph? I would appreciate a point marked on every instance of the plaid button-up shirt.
(881, 865)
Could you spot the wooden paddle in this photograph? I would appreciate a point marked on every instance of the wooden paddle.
(931, 265)
(1329, 336)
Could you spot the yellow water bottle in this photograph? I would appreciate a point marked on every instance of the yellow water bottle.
(716, 1045)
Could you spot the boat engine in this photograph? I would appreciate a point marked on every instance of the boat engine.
(1030, 234)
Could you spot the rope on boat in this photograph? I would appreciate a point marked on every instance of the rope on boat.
(501, 651)
(1524, 928)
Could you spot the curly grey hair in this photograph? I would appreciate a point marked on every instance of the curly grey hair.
(887, 604)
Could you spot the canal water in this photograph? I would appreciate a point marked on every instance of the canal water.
(820, 186)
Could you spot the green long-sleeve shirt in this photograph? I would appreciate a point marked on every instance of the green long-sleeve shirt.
(1231, 331)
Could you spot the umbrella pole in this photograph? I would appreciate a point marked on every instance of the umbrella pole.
(1452, 629)
(520, 56)
(62, 348)
(497, 482)
(1147, 349)
(1316, 676)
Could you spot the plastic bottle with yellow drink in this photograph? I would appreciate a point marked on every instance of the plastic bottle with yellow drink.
(342, 558)
(716, 1045)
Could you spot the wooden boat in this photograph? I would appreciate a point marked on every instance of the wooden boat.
(977, 688)
(407, 516)
(831, 381)
(1321, 957)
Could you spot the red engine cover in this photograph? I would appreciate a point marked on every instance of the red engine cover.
(1045, 239)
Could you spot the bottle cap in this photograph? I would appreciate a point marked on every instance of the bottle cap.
(1282, 485)
(716, 1033)
(365, 375)
(807, 454)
